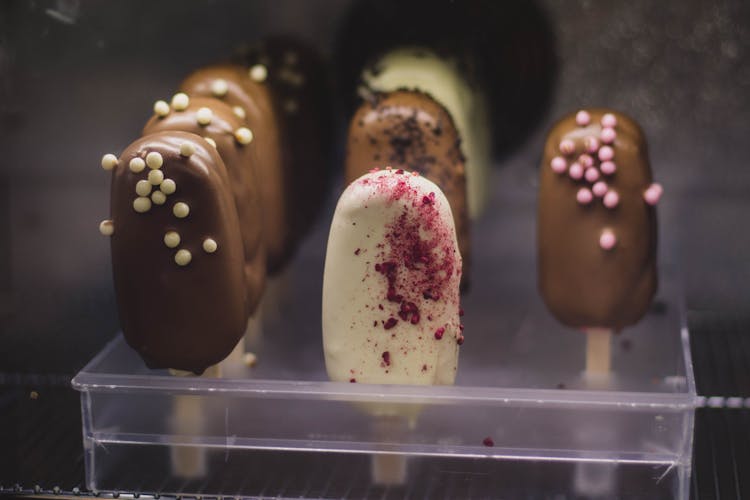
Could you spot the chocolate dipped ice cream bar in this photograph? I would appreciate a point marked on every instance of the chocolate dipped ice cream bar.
(597, 221)
(252, 101)
(217, 123)
(177, 251)
(391, 284)
(298, 82)
(409, 130)
(420, 69)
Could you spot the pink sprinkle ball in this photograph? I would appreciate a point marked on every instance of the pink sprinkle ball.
(611, 199)
(608, 135)
(559, 164)
(592, 174)
(609, 120)
(600, 189)
(606, 153)
(567, 147)
(583, 118)
(586, 160)
(575, 171)
(591, 143)
(608, 167)
(584, 196)
(653, 194)
(607, 240)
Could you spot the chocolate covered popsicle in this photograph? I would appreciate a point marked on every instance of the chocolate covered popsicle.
(252, 101)
(413, 68)
(177, 251)
(409, 130)
(233, 140)
(297, 79)
(391, 283)
(597, 222)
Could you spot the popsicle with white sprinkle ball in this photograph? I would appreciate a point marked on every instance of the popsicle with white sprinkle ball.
(597, 227)
(177, 252)
(252, 102)
(391, 283)
(216, 121)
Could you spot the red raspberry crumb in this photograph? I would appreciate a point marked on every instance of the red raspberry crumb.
(386, 358)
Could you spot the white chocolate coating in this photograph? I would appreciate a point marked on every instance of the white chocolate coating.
(377, 217)
(422, 70)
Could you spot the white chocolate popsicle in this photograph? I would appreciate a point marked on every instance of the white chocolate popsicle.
(391, 283)
(415, 68)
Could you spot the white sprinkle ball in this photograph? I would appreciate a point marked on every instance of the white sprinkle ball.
(239, 112)
(258, 73)
(154, 160)
(158, 198)
(180, 101)
(155, 177)
(143, 188)
(109, 161)
(210, 141)
(137, 165)
(171, 239)
(187, 149)
(180, 210)
(107, 227)
(161, 108)
(168, 186)
(219, 87)
(183, 257)
(243, 135)
(142, 204)
(210, 245)
(204, 116)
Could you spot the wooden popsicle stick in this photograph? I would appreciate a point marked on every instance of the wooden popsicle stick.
(188, 419)
(598, 350)
(388, 469)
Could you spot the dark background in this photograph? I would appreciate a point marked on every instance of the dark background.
(78, 79)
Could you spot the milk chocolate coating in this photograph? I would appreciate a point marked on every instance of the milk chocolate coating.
(410, 130)
(583, 284)
(183, 317)
(271, 166)
(240, 163)
(300, 83)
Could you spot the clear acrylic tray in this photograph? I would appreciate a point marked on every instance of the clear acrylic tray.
(281, 429)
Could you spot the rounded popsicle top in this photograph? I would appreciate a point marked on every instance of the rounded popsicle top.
(171, 290)
(597, 224)
(391, 281)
